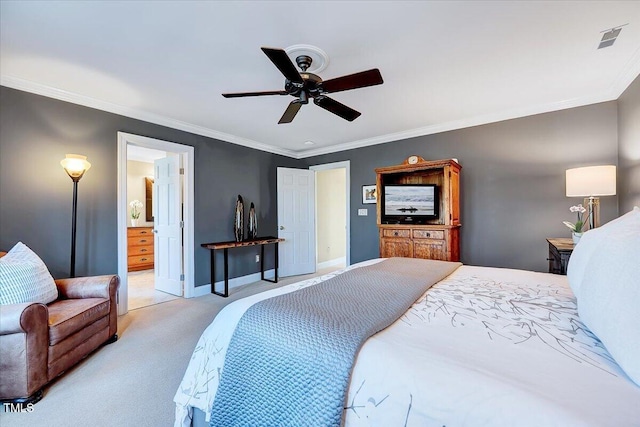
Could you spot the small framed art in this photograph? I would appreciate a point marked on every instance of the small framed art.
(369, 194)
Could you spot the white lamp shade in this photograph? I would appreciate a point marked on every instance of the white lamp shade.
(591, 181)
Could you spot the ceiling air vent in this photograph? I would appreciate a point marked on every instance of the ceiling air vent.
(609, 37)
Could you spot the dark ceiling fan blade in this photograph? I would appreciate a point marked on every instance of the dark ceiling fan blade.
(241, 94)
(281, 60)
(353, 81)
(336, 108)
(290, 112)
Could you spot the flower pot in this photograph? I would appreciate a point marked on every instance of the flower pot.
(134, 222)
(576, 237)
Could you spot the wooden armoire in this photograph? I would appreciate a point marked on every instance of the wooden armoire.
(437, 238)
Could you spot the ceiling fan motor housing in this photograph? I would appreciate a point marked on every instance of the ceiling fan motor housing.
(311, 84)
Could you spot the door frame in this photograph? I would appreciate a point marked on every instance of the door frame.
(338, 165)
(187, 153)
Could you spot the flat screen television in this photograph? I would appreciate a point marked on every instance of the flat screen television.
(409, 203)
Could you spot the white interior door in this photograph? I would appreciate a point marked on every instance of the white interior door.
(167, 213)
(296, 221)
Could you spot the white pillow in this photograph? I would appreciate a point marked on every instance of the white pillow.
(609, 297)
(25, 278)
(589, 244)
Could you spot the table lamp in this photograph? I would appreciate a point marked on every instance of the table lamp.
(591, 182)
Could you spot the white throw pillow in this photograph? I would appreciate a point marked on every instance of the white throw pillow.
(590, 244)
(25, 278)
(580, 257)
(609, 297)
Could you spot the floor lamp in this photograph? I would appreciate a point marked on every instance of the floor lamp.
(591, 182)
(75, 166)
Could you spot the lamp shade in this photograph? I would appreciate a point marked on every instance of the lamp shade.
(75, 165)
(591, 181)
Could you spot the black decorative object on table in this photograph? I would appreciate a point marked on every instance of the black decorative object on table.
(238, 222)
(252, 226)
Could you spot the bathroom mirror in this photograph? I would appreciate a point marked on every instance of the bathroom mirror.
(148, 186)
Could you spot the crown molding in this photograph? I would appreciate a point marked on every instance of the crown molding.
(63, 95)
(626, 77)
(464, 123)
(629, 73)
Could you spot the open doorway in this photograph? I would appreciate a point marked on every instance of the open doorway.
(314, 221)
(143, 291)
(332, 216)
(168, 224)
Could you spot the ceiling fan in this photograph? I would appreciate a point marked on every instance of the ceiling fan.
(304, 85)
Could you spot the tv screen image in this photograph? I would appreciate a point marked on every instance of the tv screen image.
(411, 200)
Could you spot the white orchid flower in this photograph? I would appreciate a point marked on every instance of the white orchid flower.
(135, 205)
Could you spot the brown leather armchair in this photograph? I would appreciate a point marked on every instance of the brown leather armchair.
(38, 342)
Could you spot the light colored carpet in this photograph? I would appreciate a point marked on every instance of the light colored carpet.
(142, 292)
(132, 381)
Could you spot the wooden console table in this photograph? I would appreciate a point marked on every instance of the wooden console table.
(262, 241)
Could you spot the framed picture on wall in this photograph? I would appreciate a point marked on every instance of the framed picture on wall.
(369, 194)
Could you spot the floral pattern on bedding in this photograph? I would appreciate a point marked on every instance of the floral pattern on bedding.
(504, 311)
(514, 313)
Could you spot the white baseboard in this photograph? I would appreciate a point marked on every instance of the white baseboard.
(202, 290)
(342, 261)
(233, 283)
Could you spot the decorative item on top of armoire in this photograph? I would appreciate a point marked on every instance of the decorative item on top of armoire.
(252, 226)
(429, 225)
(238, 220)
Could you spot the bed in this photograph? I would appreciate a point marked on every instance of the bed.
(483, 346)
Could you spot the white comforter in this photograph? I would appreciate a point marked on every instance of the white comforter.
(485, 346)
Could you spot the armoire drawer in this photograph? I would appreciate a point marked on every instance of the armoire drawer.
(428, 234)
(390, 232)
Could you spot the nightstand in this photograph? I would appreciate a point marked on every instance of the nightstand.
(560, 249)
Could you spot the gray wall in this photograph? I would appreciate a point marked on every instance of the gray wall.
(512, 182)
(629, 148)
(36, 194)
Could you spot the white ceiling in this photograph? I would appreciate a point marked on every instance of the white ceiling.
(446, 65)
(145, 155)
